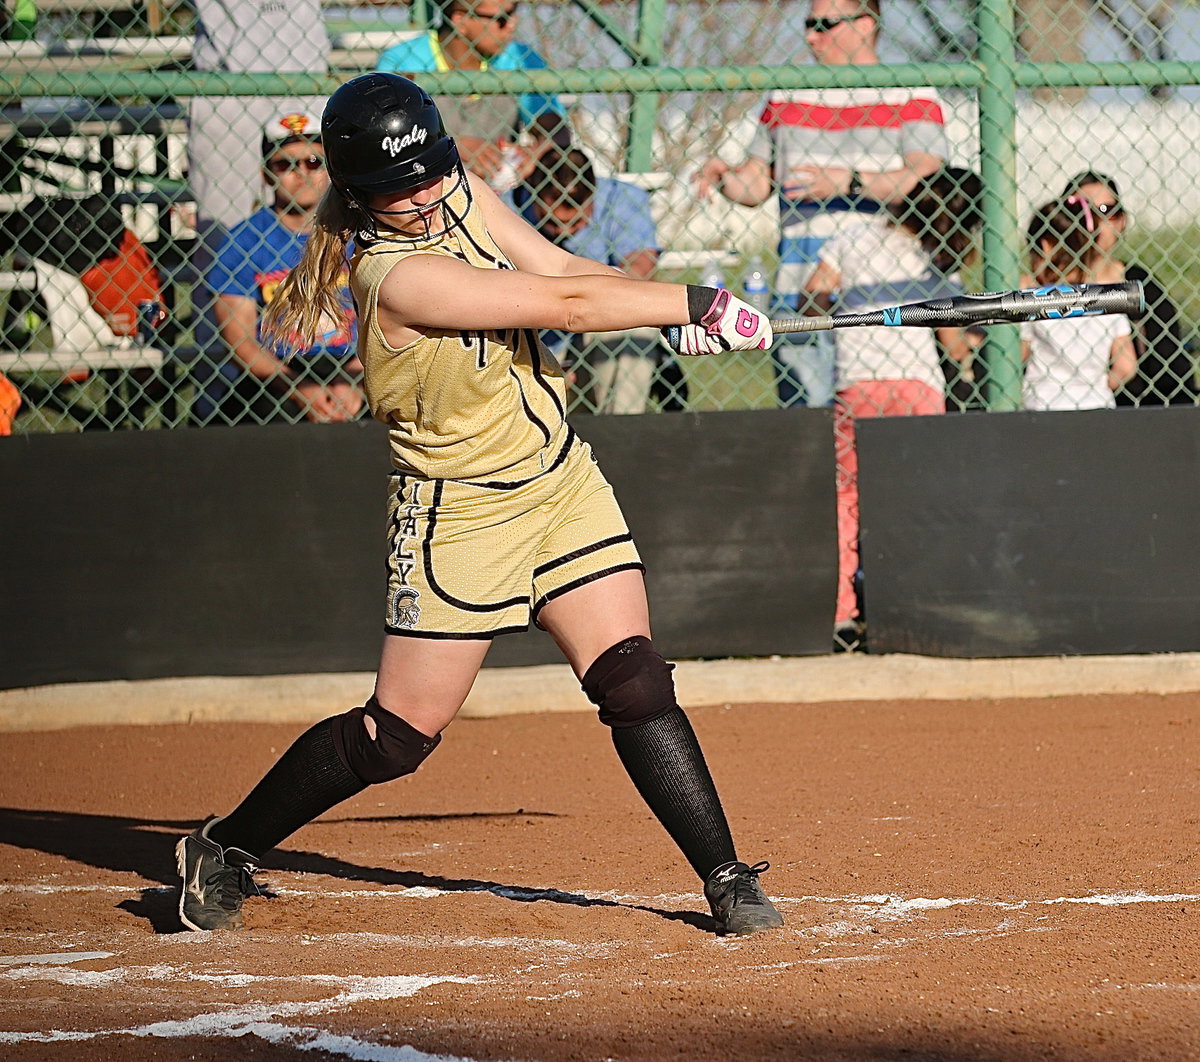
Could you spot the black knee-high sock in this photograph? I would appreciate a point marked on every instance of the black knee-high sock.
(665, 762)
(307, 780)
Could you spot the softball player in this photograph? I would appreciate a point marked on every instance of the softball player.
(498, 512)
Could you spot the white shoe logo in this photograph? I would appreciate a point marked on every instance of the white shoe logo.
(194, 886)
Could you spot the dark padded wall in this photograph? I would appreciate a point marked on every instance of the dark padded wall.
(224, 551)
(230, 551)
(1027, 534)
(734, 516)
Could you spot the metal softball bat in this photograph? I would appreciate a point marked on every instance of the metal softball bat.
(1050, 302)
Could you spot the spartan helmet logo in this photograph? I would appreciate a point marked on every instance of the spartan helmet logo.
(405, 610)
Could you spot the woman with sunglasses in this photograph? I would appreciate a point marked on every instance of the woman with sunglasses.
(321, 382)
(1166, 372)
(1073, 362)
(499, 137)
(498, 514)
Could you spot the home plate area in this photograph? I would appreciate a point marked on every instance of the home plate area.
(999, 880)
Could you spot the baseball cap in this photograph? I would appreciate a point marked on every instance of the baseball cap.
(289, 127)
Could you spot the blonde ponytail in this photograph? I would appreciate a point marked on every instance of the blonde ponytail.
(310, 295)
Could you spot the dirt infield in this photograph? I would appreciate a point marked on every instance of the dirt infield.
(962, 880)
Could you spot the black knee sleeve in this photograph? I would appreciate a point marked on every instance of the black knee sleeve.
(398, 748)
(630, 683)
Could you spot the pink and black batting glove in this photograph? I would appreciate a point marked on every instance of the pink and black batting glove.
(719, 322)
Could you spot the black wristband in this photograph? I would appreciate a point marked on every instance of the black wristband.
(700, 300)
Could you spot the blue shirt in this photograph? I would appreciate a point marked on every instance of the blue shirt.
(620, 226)
(255, 255)
(421, 54)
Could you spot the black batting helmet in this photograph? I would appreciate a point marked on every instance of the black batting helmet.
(383, 133)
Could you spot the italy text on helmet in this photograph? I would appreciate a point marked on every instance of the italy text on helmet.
(393, 145)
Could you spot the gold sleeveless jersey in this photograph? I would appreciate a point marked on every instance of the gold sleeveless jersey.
(460, 405)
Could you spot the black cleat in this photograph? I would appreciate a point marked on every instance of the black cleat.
(738, 903)
(215, 882)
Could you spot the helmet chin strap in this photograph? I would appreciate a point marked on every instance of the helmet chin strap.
(441, 205)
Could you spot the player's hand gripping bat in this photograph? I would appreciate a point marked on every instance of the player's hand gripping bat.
(1051, 301)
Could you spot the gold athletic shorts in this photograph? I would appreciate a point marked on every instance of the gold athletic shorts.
(467, 560)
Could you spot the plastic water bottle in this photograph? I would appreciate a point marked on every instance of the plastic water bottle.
(713, 276)
(754, 285)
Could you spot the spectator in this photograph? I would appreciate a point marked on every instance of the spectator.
(906, 254)
(1074, 362)
(831, 155)
(245, 38)
(479, 35)
(609, 221)
(1051, 31)
(321, 382)
(1166, 373)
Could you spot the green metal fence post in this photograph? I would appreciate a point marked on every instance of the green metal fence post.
(422, 14)
(644, 112)
(998, 167)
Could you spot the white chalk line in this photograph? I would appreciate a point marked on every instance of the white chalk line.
(888, 905)
(883, 901)
(60, 958)
(263, 1021)
(260, 1020)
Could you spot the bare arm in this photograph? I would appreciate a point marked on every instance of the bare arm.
(237, 319)
(821, 286)
(954, 342)
(749, 184)
(549, 288)
(828, 182)
(433, 291)
(1122, 362)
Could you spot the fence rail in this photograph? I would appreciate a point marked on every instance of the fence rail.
(651, 91)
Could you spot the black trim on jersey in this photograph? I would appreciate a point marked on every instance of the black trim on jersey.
(529, 414)
(535, 344)
(500, 484)
(583, 581)
(502, 263)
(405, 632)
(427, 552)
(583, 551)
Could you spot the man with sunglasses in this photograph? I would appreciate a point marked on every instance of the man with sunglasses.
(244, 38)
(253, 385)
(829, 154)
(481, 35)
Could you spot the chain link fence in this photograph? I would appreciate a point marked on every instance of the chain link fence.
(158, 166)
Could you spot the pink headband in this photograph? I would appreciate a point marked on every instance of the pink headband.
(1088, 220)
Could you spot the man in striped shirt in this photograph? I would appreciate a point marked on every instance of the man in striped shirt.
(829, 154)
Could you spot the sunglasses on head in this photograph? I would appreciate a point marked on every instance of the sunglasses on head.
(824, 25)
(310, 164)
